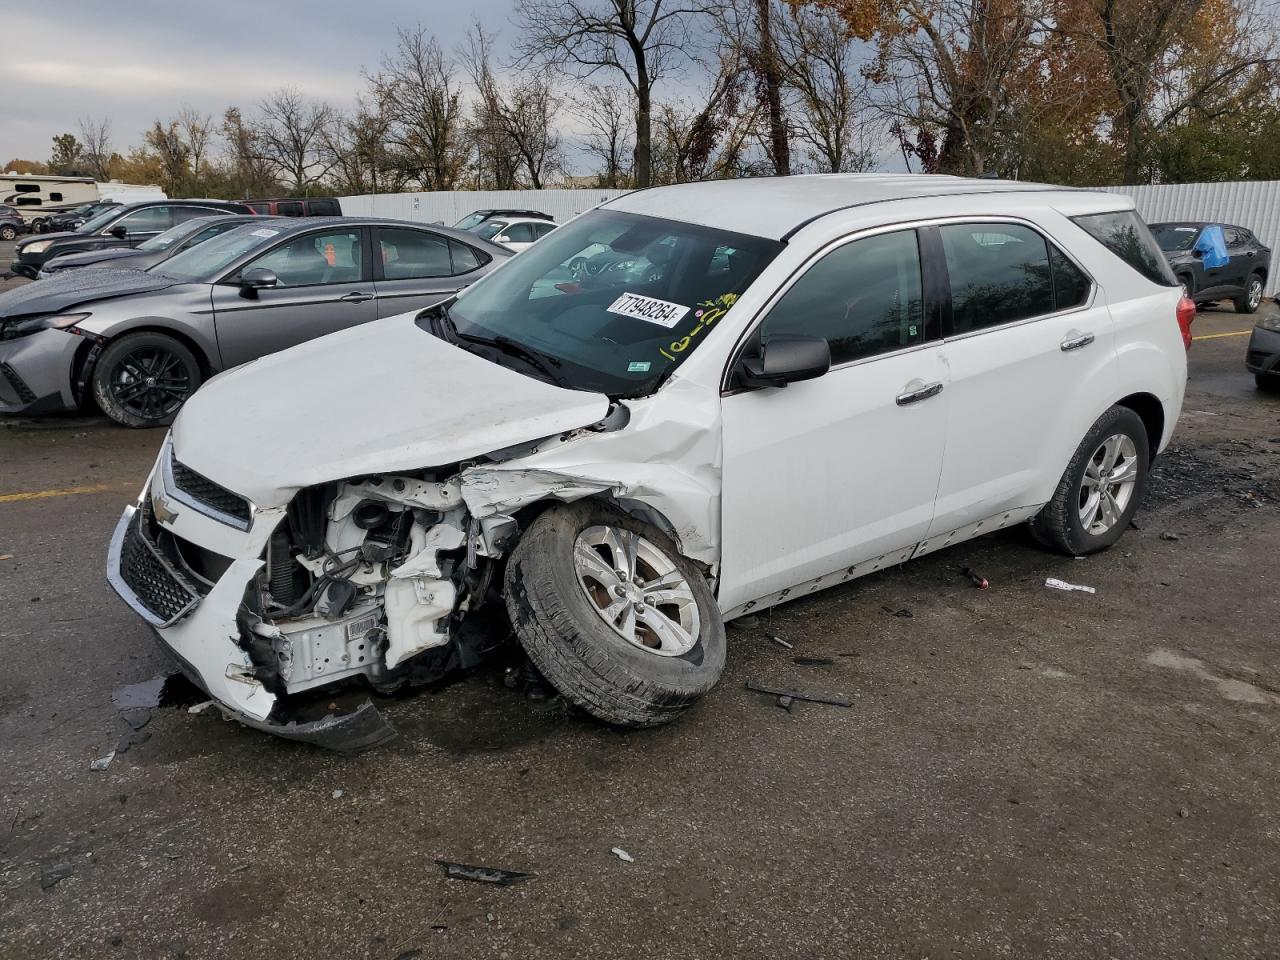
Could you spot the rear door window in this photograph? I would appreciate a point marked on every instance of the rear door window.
(999, 273)
(1125, 235)
(465, 258)
(413, 254)
(289, 208)
(147, 220)
(324, 208)
(520, 233)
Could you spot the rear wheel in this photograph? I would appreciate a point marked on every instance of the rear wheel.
(1270, 382)
(1101, 488)
(613, 616)
(143, 379)
(1249, 301)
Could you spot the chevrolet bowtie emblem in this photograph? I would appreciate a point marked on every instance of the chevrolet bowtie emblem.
(160, 507)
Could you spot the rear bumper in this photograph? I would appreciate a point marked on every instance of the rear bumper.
(35, 373)
(1263, 355)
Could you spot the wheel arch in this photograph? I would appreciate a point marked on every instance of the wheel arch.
(197, 349)
(1151, 411)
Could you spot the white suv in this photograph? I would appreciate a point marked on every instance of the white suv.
(687, 404)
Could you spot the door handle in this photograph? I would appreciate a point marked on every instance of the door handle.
(919, 393)
(1075, 341)
(356, 297)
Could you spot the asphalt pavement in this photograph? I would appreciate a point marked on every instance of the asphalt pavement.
(1023, 772)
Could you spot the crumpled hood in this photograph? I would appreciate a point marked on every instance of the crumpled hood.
(386, 396)
(77, 287)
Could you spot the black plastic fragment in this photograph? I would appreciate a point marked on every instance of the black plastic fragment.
(829, 699)
(463, 871)
(812, 661)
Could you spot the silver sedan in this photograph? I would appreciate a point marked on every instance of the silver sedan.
(138, 344)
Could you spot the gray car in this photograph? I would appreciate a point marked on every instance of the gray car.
(150, 252)
(140, 343)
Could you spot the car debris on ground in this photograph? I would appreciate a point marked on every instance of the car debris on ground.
(1056, 584)
(463, 871)
(976, 579)
(52, 876)
(829, 699)
(623, 855)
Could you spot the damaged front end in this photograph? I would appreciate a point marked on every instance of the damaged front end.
(366, 578)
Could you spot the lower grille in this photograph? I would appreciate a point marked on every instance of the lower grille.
(19, 385)
(209, 494)
(155, 582)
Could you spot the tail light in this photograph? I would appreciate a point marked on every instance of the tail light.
(1186, 314)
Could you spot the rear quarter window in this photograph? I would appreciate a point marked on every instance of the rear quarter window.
(1124, 234)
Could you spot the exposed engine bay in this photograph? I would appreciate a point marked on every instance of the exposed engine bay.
(363, 576)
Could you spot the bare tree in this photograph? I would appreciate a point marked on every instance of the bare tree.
(197, 131)
(252, 175)
(640, 40)
(607, 113)
(289, 136)
(165, 141)
(711, 138)
(768, 68)
(95, 149)
(517, 119)
(356, 146)
(418, 92)
(832, 103)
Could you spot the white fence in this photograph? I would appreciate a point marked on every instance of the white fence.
(1252, 204)
(450, 206)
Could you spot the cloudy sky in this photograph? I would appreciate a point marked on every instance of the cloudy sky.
(136, 60)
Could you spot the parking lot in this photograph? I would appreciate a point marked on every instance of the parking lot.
(1023, 772)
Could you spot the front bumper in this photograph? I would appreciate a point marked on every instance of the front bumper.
(35, 373)
(24, 269)
(1263, 355)
(198, 624)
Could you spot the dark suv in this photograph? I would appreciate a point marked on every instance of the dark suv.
(296, 207)
(11, 223)
(1216, 261)
(126, 225)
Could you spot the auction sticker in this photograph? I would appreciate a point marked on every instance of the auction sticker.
(647, 308)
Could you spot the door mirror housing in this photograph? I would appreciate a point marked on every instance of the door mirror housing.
(785, 360)
(119, 232)
(259, 278)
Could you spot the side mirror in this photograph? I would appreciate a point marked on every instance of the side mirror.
(1198, 254)
(259, 278)
(119, 232)
(785, 360)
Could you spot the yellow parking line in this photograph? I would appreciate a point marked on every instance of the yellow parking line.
(1215, 336)
(66, 492)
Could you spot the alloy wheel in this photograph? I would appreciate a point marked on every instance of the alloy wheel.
(1110, 478)
(637, 590)
(1255, 293)
(150, 383)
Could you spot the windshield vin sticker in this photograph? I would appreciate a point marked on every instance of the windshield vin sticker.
(647, 308)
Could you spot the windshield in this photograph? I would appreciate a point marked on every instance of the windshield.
(171, 236)
(470, 220)
(205, 261)
(101, 220)
(1174, 237)
(614, 301)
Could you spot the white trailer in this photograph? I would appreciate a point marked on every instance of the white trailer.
(37, 198)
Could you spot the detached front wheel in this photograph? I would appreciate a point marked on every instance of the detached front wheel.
(613, 616)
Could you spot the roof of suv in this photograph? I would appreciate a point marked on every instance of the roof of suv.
(775, 207)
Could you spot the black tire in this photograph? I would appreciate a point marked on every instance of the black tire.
(120, 379)
(8, 232)
(1058, 525)
(1269, 382)
(1249, 301)
(568, 640)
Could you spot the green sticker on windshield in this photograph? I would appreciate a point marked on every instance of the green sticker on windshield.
(638, 366)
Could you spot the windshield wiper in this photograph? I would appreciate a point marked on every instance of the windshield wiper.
(539, 361)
